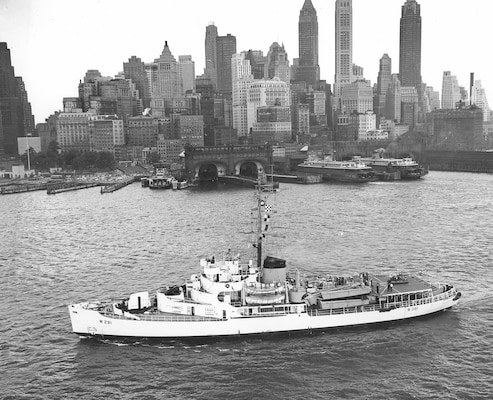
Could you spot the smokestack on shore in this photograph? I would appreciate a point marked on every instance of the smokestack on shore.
(471, 84)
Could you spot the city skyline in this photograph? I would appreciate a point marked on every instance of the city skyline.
(29, 27)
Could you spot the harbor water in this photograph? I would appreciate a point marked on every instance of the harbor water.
(82, 245)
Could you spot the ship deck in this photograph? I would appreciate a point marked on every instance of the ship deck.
(409, 284)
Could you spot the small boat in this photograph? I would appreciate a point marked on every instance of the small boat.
(179, 185)
(352, 171)
(232, 297)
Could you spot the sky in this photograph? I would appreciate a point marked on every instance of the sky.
(54, 42)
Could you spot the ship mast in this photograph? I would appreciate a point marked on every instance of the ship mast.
(258, 243)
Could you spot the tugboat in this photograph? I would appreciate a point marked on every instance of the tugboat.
(232, 297)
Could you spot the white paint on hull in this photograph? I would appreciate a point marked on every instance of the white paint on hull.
(85, 321)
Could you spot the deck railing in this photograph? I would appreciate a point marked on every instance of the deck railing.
(285, 310)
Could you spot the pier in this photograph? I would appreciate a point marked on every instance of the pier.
(114, 186)
(21, 188)
(62, 187)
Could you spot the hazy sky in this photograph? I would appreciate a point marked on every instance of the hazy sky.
(54, 42)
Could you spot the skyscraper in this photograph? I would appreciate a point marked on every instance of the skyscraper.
(450, 91)
(134, 69)
(383, 82)
(308, 69)
(15, 111)
(225, 48)
(187, 72)
(343, 46)
(278, 63)
(210, 53)
(165, 81)
(410, 45)
(478, 97)
(242, 78)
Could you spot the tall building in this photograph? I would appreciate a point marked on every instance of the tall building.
(450, 91)
(258, 63)
(187, 72)
(225, 48)
(73, 131)
(142, 131)
(410, 45)
(210, 70)
(409, 105)
(166, 83)
(273, 125)
(393, 99)
(383, 82)
(242, 78)
(106, 134)
(433, 97)
(308, 69)
(343, 47)
(191, 129)
(266, 92)
(357, 97)
(134, 69)
(478, 97)
(26, 106)
(15, 109)
(278, 63)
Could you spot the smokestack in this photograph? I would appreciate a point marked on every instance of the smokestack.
(471, 84)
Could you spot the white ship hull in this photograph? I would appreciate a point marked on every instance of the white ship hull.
(90, 322)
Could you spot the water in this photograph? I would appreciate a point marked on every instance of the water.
(56, 250)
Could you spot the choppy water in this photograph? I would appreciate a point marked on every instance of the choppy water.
(82, 245)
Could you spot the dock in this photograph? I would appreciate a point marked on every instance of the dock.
(21, 188)
(114, 186)
(55, 188)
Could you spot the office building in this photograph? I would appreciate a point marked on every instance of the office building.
(410, 45)
(343, 47)
(142, 131)
(73, 131)
(210, 70)
(134, 69)
(165, 82)
(258, 63)
(191, 129)
(278, 63)
(450, 91)
(106, 133)
(242, 78)
(266, 92)
(273, 125)
(409, 106)
(187, 72)
(393, 99)
(478, 98)
(225, 48)
(16, 119)
(383, 82)
(357, 97)
(308, 69)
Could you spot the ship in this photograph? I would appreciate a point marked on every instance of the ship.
(393, 168)
(160, 179)
(230, 297)
(351, 171)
